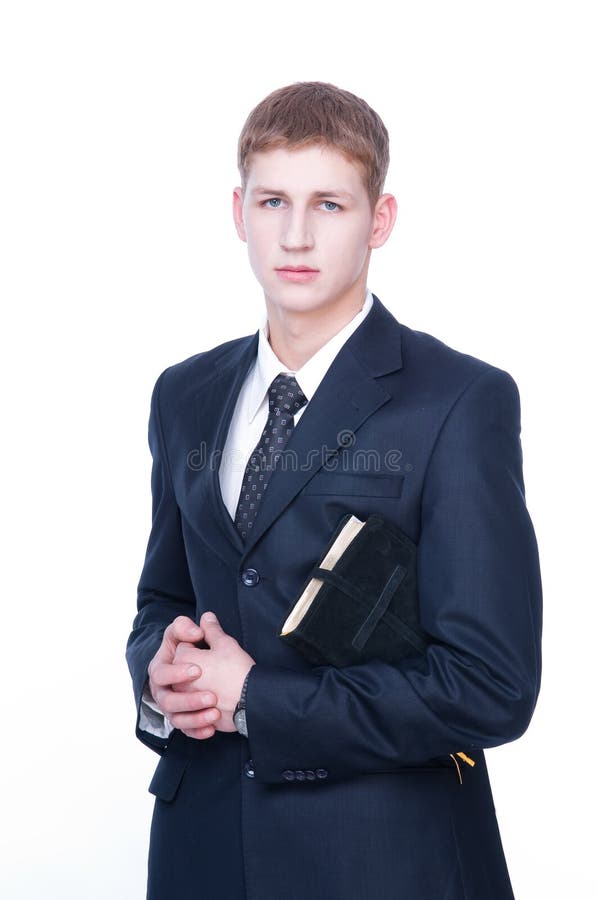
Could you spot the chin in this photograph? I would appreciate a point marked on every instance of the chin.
(299, 297)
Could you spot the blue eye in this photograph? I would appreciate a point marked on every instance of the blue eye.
(278, 201)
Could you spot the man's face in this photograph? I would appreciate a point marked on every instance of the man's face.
(306, 207)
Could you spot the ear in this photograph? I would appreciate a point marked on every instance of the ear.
(238, 213)
(385, 214)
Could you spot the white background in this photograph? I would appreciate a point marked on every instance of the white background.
(119, 257)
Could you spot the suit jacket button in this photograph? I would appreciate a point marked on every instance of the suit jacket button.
(321, 773)
(250, 577)
(289, 774)
(310, 774)
(300, 775)
(248, 769)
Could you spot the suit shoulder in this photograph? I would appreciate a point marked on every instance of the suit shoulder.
(192, 373)
(432, 361)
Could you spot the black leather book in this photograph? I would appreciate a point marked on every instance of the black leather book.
(360, 600)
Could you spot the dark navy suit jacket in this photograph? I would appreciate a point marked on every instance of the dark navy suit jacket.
(346, 787)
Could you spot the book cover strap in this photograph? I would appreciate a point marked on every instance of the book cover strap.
(367, 605)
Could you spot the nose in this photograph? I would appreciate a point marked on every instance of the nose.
(297, 234)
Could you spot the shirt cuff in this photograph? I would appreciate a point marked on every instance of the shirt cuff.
(150, 717)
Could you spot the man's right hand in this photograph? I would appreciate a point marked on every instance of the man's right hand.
(190, 711)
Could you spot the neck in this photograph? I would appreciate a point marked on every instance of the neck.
(296, 335)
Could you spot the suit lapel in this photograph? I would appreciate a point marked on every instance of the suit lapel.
(214, 407)
(347, 395)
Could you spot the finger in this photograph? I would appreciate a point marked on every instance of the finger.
(162, 674)
(200, 734)
(193, 685)
(192, 720)
(187, 653)
(184, 645)
(180, 701)
(182, 629)
(191, 658)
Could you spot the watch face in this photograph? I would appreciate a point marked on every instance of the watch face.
(240, 720)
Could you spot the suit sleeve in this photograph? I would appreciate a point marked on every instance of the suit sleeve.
(480, 599)
(164, 590)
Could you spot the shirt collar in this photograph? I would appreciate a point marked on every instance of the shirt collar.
(309, 376)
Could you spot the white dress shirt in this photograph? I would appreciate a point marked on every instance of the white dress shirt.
(247, 423)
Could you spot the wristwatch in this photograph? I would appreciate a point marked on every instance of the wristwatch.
(240, 713)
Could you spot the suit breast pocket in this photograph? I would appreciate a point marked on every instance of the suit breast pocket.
(356, 484)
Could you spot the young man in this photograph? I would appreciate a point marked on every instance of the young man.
(279, 779)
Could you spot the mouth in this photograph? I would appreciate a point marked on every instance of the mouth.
(296, 269)
(298, 274)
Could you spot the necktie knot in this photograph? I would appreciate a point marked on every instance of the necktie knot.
(285, 396)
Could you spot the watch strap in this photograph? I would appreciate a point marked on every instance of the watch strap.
(241, 720)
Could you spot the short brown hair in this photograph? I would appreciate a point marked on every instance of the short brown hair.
(315, 112)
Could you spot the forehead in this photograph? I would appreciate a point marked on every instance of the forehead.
(313, 168)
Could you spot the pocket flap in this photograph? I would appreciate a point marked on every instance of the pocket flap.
(167, 777)
(364, 484)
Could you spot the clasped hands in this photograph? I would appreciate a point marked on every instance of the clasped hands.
(197, 689)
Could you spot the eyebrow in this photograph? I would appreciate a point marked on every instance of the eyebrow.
(259, 189)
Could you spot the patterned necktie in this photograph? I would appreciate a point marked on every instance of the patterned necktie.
(285, 398)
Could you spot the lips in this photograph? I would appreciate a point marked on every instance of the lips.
(297, 274)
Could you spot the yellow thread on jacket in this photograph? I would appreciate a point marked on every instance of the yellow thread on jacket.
(458, 769)
(466, 759)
